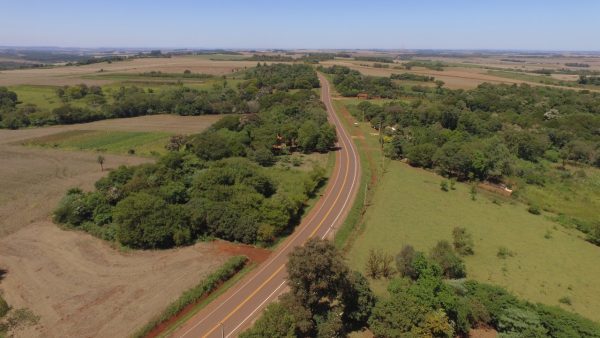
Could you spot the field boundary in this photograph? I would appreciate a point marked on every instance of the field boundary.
(194, 299)
(355, 219)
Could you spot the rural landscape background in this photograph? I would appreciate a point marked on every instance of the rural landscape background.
(397, 181)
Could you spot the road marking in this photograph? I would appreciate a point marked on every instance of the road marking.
(323, 237)
(283, 265)
(266, 265)
(258, 307)
(353, 153)
(319, 226)
(245, 300)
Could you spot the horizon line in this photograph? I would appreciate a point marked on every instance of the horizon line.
(305, 48)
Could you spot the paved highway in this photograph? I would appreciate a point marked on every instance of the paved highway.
(235, 310)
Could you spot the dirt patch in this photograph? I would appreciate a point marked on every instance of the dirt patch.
(34, 180)
(79, 285)
(256, 255)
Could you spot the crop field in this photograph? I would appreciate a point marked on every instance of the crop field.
(467, 73)
(97, 73)
(408, 207)
(82, 285)
(117, 142)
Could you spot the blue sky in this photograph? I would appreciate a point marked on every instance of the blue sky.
(460, 24)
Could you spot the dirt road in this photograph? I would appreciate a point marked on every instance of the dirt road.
(235, 310)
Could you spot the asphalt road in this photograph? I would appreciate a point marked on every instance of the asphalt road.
(235, 310)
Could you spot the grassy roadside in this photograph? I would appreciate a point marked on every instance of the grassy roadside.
(220, 280)
(370, 170)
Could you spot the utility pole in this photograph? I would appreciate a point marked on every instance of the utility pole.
(222, 331)
(381, 145)
(380, 136)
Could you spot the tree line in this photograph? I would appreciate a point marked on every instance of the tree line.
(327, 299)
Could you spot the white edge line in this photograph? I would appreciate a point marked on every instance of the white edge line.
(325, 235)
(282, 250)
(257, 308)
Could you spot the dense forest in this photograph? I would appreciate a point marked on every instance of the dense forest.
(327, 299)
(215, 184)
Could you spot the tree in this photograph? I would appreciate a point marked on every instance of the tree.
(404, 262)
(329, 298)
(463, 241)
(421, 155)
(435, 324)
(379, 264)
(399, 315)
(144, 221)
(452, 265)
(439, 84)
(100, 159)
(316, 271)
(176, 142)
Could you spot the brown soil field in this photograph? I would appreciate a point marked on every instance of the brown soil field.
(529, 62)
(79, 285)
(69, 75)
(453, 77)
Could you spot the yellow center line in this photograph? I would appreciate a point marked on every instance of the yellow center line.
(281, 267)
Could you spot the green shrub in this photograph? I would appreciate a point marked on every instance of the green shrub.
(452, 265)
(534, 209)
(463, 241)
(4, 308)
(504, 253)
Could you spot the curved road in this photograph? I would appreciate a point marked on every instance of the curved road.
(235, 310)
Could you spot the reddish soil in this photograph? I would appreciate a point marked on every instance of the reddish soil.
(256, 255)
(79, 285)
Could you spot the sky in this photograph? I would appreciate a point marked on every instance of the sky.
(349, 24)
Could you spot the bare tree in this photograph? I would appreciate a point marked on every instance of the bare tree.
(100, 161)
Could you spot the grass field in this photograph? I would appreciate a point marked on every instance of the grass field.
(576, 198)
(41, 96)
(549, 262)
(116, 142)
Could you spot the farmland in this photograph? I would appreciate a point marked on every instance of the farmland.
(83, 286)
(100, 73)
(405, 204)
(95, 287)
(118, 142)
(468, 71)
(407, 207)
